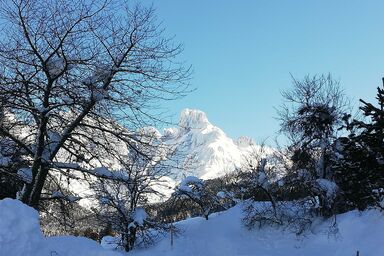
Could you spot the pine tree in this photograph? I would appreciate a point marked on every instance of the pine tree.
(359, 169)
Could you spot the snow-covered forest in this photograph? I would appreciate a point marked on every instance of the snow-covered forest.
(86, 170)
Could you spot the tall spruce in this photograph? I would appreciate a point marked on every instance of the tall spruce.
(359, 167)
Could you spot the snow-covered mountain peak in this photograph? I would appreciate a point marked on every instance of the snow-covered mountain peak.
(210, 152)
(193, 119)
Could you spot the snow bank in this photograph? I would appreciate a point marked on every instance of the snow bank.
(20, 235)
(221, 235)
(110, 242)
(19, 228)
(224, 235)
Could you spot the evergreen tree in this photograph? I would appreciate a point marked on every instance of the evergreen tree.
(359, 167)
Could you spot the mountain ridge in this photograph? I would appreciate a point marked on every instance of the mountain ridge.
(210, 151)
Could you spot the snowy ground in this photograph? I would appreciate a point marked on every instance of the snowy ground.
(222, 235)
(20, 235)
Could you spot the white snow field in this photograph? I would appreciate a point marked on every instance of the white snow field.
(20, 235)
(222, 235)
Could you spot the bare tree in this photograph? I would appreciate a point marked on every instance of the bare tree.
(311, 119)
(122, 202)
(197, 191)
(73, 69)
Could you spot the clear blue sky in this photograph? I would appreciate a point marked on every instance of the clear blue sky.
(243, 52)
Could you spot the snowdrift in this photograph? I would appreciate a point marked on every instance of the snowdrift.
(224, 235)
(20, 235)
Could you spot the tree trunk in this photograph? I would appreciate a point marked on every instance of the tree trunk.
(39, 173)
(33, 191)
(125, 241)
(131, 238)
(271, 199)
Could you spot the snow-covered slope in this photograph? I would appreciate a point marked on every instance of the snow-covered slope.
(208, 152)
(224, 235)
(20, 235)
